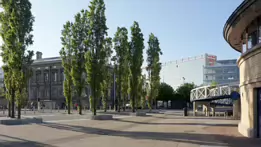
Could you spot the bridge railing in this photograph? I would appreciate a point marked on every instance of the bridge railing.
(210, 91)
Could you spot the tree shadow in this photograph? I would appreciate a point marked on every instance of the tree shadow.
(177, 137)
(19, 142)
(201, 117)
(193, 138)
(187, 124)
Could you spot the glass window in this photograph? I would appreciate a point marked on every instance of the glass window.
(244, 49)
(38, 74)
(45, 77)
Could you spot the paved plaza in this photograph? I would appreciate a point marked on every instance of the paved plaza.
(157, 130)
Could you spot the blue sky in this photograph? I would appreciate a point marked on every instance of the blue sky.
(184, 27)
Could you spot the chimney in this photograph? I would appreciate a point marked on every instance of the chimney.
(39, 55)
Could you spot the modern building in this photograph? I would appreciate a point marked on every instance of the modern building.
(222, 72)
(188, 69)
(243, 33)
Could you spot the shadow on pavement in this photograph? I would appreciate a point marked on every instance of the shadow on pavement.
(193, 138)
(198, 117)
(18, 142)
(151, 123)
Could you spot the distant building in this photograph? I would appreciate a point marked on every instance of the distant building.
(46, 83)
(222, 72)
(188, 69)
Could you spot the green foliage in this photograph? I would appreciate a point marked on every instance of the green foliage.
(95, 56)
(16, 25)
(166, 92)
(184, 91)
(143, 86)
(79, 33)
(121, 47)
(213, 84)
(66, 54)
(107, 72)
(154, 66)
(136, 60)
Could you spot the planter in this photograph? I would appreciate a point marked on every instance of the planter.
(22, 121)
(102, 117)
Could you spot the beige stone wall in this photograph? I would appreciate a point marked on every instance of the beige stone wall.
(250, 78)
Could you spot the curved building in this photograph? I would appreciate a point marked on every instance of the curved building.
(243, 33)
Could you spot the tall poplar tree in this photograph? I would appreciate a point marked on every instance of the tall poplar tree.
(16, 27)
(153, 67)
(136, 60)
(107, 72)
(67, 58)
(121, 47)
(95, 55)
(79, 48)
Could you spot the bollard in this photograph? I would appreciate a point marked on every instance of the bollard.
(58, 109)
(24, 111)
(3, 111)
(34, 110)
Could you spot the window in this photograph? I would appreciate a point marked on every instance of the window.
(252, 39)
(54, 92)
(61, 91)
(46, 92)
(54, 76)
(62, 76)
(38, 74)
(46, 77)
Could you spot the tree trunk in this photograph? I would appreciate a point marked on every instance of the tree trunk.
(123, 103)
(9, 108)
(69, 106)
(13, 103)
(133, 103)
(94, 105)
(119, 104)
(155, 104)
(19, 110)
(80, 106)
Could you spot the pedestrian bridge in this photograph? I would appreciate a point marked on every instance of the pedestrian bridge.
(220, 94)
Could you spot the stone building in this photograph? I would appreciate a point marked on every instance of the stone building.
(243, 33)
(46, 83)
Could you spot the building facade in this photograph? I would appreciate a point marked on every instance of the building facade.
(188, 69)
(222, 72)
(46, 83)
(243, 33)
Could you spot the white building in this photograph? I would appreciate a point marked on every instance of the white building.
(186, 70)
